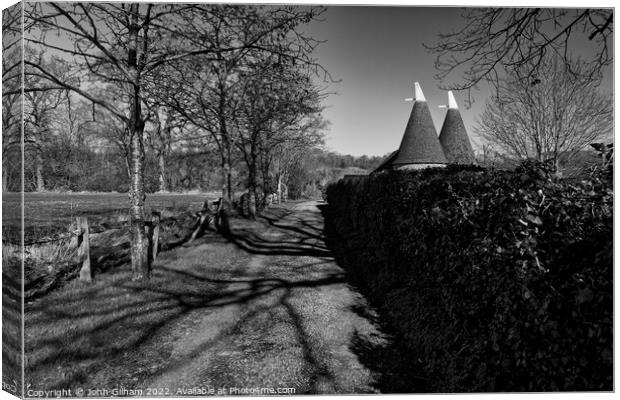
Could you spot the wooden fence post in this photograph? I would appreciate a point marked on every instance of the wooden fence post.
(222, 223)
(84, 249)
(155, 217)
(200, 224)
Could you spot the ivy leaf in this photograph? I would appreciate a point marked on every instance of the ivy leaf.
(535, 219)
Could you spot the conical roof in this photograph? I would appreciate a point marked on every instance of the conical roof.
(420, 144)
(453, 136)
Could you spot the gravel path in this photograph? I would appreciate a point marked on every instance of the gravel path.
(289, 322)
(267, 310)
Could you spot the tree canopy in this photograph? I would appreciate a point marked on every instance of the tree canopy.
(493, 41)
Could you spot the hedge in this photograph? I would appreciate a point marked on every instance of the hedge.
(496, 280)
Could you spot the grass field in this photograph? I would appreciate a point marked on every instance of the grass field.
(49, 213)
(49, 262)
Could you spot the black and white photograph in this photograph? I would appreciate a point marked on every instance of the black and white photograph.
(207, 199)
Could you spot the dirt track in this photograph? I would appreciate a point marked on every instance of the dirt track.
(268, 308)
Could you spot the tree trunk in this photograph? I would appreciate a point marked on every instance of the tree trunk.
(265, 193)
(139, 241)
(267, 186)
(226, 172)
(140, 267)
(252, 180)
(222, 224)
(163, 187)
(39, 173)
(225, 150)
(231, 195)
(252, 196)
(252, 192)
(284, 193)
(279, 192)
(5, 179)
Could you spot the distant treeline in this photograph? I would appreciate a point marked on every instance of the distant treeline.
(82, 167)
(102, 168)
(336, 160)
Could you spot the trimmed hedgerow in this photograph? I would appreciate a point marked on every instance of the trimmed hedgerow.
(496, 280)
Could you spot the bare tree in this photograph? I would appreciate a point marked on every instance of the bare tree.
(208, 97)
(550, 117)
(12, 69)
(167, 125)
(201, 93)
(114, 44)
(40, 109)
(494, 40)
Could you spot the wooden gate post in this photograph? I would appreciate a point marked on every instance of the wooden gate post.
(84, 249)
(155, 217)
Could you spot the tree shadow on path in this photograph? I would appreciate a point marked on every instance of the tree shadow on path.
(290, 234)
(85, 330)
(87, 335)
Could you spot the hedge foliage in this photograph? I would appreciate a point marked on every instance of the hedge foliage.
(496, 280)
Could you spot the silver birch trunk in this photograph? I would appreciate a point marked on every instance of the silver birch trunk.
(163, 187)
(39, 173)
(140, 267)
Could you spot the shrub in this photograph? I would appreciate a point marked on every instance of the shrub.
(497, 280)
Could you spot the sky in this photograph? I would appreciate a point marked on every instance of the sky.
(377, 53)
